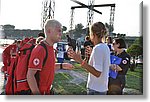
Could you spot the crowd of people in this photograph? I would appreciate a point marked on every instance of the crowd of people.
(38, 55)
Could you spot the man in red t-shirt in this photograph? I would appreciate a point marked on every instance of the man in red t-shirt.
(9, 52)
(53, 31)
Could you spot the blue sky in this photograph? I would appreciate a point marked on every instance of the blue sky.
(26, 14)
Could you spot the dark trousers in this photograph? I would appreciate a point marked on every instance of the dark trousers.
(116, 86)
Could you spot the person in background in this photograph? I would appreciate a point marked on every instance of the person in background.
(41, 35)
(68, 38)
(87, 42)
(78, 45)
(99, 62)
(117, 85)
(6, 57)
(87, 45)
(109, 43)
(8, 52)
(9, 61)
(39, 39)
(53, 32)
(71, 42)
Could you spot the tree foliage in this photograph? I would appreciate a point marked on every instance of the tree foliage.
(78, 30)
(136, 48)
(64, 28)
(8, 27)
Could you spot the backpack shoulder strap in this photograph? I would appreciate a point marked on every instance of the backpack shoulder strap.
(44, 46)
(44, 61)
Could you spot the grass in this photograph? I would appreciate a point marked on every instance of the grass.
(135, 79)
(63, 86)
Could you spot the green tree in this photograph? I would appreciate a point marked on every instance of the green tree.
(121, 35)
(139, 41)
(118, 35)
(78, 30)
(8, 27)
(64, 28)
(136, 48)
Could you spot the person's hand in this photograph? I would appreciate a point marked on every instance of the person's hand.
(113, 66)
(118, 68)
(67, 66)
(76, 56)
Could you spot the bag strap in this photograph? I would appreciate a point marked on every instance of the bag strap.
(44, 46)
(26, 49)
(44, 61)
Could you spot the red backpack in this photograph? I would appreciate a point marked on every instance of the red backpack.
(21, 83)
(9, 70)
(9, 87)
(17, 81)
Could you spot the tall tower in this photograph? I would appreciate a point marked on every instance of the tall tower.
(111, 20)
(71, 22)
(48, 8)
(90, 12)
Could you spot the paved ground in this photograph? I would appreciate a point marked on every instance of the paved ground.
(129, 91)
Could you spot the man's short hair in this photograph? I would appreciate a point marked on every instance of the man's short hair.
(51, 23)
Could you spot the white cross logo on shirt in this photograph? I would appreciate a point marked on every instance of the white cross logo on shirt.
(36, 61)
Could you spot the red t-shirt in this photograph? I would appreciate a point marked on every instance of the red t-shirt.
(46, 72)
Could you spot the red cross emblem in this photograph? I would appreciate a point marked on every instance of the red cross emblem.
(36, 61)
(124, 62)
